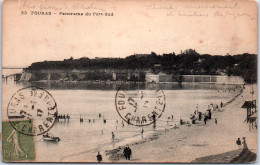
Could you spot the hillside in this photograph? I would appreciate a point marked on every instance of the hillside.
(187, 63)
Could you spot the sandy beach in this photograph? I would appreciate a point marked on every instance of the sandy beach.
(188, 142)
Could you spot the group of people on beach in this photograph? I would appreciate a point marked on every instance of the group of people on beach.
(93, 120)
(197, 115)
(127, 152)
(65, 117)
(239, 144)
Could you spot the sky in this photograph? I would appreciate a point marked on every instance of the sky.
(136, 27)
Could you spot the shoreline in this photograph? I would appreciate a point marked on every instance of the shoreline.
(120, 82)
(116, 155)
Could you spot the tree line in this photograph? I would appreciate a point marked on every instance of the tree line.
(191, 62)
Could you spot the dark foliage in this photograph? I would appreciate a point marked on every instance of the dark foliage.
(244, 65)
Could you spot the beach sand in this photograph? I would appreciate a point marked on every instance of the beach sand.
(188, 142)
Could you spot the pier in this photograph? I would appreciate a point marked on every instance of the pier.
(14, 77)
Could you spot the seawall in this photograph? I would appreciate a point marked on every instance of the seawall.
(124, 75)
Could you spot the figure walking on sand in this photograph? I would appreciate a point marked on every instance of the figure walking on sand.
(216, 121)
(113, 136)
(99, 157)
(13, 138)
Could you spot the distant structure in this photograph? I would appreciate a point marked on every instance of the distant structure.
(152, 78)
(189, 51)
(251, 116)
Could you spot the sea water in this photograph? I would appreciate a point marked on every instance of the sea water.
(93, 135)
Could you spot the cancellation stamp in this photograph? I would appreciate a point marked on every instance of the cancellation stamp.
(32, 104)
(140, 107)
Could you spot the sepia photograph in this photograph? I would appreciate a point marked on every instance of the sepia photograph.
(108, 81)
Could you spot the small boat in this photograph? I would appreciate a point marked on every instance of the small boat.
(50, 137)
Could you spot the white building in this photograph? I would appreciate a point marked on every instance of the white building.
(152, 78)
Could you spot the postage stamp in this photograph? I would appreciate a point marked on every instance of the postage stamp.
(140, 107)
(17, 146)
(32, 104)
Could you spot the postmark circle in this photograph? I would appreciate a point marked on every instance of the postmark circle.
(32, 111)
(140, 107)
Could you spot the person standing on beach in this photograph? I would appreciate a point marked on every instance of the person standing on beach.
(181, 122)
(205, 119)
(199, 116)
(129, 153)
(244, 142)
(216, 121)
(238, 143)
(113, 136)
(154, 120)
(125, 153)
(68, 117)
(99, 157)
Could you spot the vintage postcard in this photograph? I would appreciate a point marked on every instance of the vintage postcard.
(112, 81)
